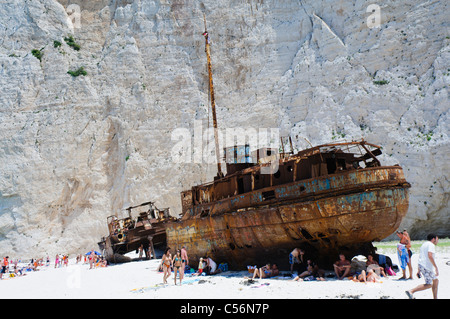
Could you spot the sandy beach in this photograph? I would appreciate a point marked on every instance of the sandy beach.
(141, 280)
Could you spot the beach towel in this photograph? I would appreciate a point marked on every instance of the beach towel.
(144, 289)
(403, 256)
(158, 286)
(190, 281)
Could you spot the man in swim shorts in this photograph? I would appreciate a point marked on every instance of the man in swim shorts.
(427, 267)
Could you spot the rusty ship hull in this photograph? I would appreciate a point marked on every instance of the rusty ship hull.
(129, 233)
(342, 212)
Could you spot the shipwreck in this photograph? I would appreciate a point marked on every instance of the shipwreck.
(129, 233)
(320, 199)
(327, 199)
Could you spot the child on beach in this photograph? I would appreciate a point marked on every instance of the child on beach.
(200, 266)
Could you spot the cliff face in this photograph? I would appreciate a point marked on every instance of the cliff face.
(76, 149)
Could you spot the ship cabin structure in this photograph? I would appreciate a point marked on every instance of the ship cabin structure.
(244, 173)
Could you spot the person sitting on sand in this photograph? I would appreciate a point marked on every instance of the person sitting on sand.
(312, 271)
(266, 271)
(369, 276)
(211, 267)
(342, 267)
(372, 264)
(275, 271)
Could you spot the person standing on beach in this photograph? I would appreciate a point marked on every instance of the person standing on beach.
(406, 241)
(166, 263)
(403, 258)
(184, 261)
(177, 266)
(141, 251)
(2, 268)
(298, 260)
(426, 265)
(91, 260)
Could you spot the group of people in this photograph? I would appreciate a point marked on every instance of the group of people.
(427, 265)
(94, 260)
(306, 268)
(177, 262)
(370, 272)
(373, 271)
(60, 260)
(16, 268)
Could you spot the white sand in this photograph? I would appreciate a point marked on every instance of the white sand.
(117, 281)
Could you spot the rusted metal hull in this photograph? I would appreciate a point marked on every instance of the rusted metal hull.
(340, 212)
(129, 233)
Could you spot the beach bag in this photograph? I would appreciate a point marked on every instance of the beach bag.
(223, 267)
(358, 264)
(390, 272)
(251, 269)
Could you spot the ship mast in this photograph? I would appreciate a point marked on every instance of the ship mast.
(213, 103)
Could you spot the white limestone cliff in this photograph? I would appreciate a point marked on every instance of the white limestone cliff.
(75, 150)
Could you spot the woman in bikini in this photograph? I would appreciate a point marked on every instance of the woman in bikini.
(166, 263)
(263, 272)
(177, 265)
(365, 277)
